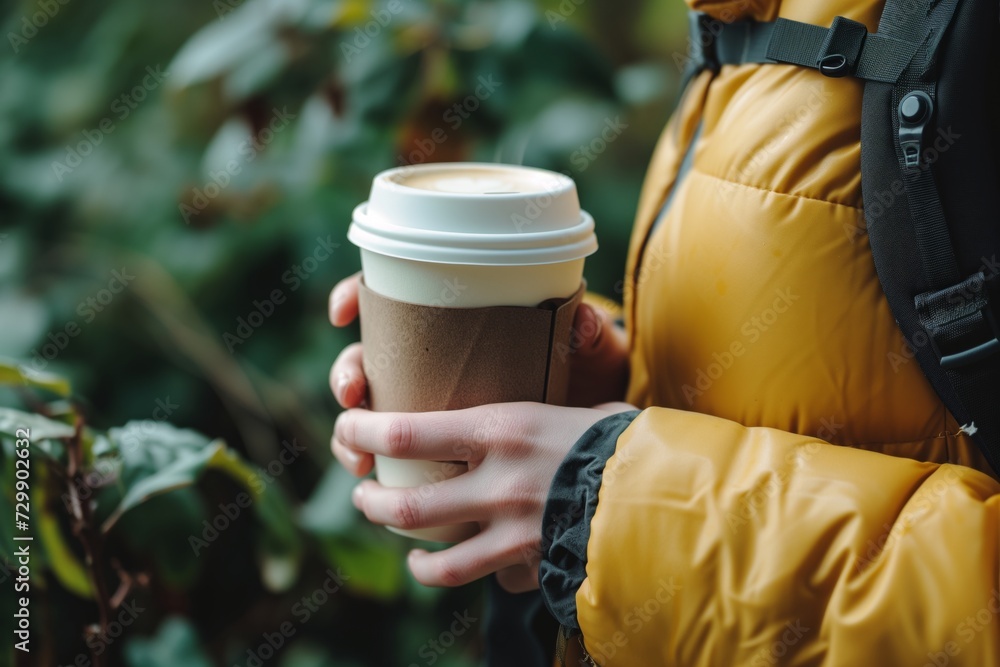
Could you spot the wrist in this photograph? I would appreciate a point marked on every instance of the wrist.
(570, 506)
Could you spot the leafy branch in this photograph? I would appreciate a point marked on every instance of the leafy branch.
(91, 539)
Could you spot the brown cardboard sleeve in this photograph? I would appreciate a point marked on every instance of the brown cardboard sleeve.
(427, 358)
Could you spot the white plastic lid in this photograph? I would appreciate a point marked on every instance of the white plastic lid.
(474, 213)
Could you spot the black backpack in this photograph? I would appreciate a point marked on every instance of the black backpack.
(928, 172)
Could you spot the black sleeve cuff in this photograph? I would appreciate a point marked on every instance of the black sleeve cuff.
(570, 507)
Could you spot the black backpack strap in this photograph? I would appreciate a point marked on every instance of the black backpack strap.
(941, 299)
(846, 48)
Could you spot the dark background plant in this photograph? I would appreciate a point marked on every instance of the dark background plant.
(130, 267)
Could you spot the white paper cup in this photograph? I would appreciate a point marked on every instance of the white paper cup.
(468, 235)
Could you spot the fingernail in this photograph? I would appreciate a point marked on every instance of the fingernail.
(343, 382)
(353, 458)
(357, 495)
(337, 300)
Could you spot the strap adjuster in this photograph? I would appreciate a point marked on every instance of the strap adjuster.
(839, 54)
(960, 323)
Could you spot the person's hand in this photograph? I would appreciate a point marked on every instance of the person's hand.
(542, 434)
(513, 451)
(347, 376)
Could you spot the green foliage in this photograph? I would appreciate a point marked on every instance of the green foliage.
(21, 375)
(167, 170)
(176, 643)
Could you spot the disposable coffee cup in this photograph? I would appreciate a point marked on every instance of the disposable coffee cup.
(471, 273)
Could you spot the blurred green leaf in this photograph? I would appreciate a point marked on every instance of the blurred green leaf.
(375, 568)
(159, 458)
(20, 375)
(16, 374)
(181, 471)
(7, 481)
(225, 44)
(149, 447)
(41, 428)
(24, 321)
(176, 643)
(258, 70)
(329, 510)
(101, 445)
(269, 500)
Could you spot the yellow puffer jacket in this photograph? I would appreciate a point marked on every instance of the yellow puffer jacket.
(794, 492)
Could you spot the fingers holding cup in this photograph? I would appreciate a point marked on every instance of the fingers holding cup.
(347, 377)
(343, 305)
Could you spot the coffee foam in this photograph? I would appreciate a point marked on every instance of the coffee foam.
(476, 180)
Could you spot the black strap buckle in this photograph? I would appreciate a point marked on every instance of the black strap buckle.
(960, 323)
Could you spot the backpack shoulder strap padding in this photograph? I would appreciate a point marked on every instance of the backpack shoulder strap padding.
(931, 245)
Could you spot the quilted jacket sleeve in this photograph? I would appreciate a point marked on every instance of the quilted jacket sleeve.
(677, 538)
